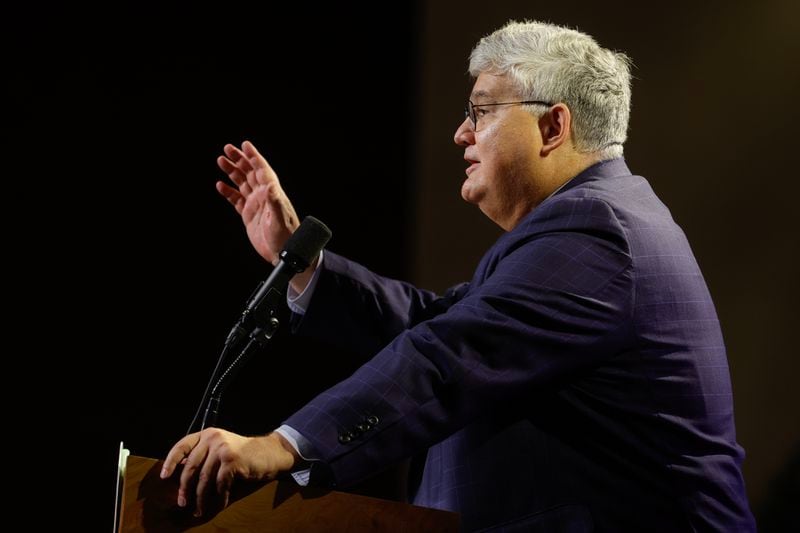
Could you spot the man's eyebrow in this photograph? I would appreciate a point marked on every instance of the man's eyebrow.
(479, 94)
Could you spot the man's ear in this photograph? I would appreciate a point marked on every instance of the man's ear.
(555, 126)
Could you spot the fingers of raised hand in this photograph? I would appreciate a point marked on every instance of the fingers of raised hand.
(238, 158)
(262, 168)
(233, 196)
(256, 159)
(234, 173)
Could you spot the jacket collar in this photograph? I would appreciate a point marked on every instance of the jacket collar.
(604, 169)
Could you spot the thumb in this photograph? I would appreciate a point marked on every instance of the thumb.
(281, 208)
(274, 197)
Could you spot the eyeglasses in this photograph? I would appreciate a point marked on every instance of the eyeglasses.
(469, 110)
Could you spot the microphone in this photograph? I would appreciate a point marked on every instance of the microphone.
(300, 250)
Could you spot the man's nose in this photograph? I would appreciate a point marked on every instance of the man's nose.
(465, 134)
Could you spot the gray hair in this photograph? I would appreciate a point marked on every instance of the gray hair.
(558, 64)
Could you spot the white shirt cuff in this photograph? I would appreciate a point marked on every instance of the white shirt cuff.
(298, 303)
(303, 447)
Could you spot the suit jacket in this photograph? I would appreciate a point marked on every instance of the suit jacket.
(579, 382)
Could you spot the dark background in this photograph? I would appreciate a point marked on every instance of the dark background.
(124, 110)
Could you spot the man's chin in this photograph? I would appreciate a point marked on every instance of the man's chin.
(469, 194)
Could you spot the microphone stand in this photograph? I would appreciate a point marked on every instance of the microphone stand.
(258, 339)
(261, 309)
(238, 333)
(258, 321)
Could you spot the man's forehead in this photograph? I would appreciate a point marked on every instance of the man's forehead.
(489, 86)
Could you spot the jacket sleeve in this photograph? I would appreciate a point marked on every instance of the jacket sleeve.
(557, 301)
(361, 312)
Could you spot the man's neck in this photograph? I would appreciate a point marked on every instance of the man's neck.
(567, 166)
(558, 170)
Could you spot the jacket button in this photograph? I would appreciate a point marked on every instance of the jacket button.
(373, 420)
(362, 428)
(344, 438)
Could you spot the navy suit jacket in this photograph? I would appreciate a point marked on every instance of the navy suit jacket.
(579, 382)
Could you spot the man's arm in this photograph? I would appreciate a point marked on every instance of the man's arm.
(557, 302)
(360, 311)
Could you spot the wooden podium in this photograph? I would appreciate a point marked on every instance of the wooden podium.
(148, 504)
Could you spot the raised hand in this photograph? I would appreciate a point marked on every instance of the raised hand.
(266, 211)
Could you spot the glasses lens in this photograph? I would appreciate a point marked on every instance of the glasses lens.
(470, 112)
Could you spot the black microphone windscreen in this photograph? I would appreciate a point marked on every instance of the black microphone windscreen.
(309, 238)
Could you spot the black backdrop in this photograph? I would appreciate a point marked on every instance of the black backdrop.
(124, 110)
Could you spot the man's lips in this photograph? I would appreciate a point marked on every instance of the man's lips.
(472, 165)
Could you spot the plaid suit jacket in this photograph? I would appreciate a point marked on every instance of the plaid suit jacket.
(579, 382)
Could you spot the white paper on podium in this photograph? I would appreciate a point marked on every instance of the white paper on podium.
(121, 464)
